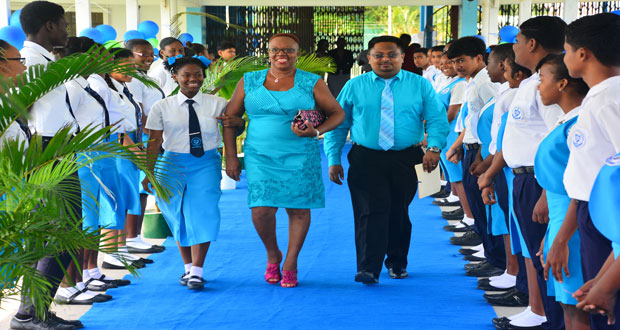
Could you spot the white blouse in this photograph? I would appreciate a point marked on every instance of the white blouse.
(164, 77)
(171, 115)
(145, 95)
(121, 113)
(85, 107)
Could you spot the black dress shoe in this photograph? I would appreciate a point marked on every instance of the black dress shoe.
(467, 251)
(195, 283)
(457, 214)
(501, 295)
(53, 317)
(487, 270)
(71, 300)
(116, 282)
(500, 321)
(470, 238)
(149, 250)
(445, 202)
(99, 288)
(366, 277)
(489, 287)
(146, 260)
(472, 257)
(474, 266)
(397, 272)
(516, 299)
(509, 326)
(36, 324)
(441, 194)
(460, 229)
(183, 279)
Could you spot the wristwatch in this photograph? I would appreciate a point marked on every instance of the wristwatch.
(434, 149)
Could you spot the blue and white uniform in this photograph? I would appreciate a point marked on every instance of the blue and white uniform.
(452, 94)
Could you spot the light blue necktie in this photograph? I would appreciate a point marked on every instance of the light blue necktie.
(386, 130)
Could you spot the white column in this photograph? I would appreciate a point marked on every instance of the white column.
(484, 31)
(82, 15)
(5, 12)
(164, 28)
(525, 10)
(133, 15)
(571, 10)
(493, 36)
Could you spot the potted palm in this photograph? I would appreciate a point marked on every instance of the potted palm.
(35, 220)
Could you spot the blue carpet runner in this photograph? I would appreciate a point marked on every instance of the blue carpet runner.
(437, 294)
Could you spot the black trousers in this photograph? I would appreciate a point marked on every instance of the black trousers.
(382, 185)
(526, 193)
(493, 245)
(49, 267)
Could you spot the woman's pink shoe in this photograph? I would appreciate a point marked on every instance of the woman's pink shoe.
(290, 279)
(272, 274)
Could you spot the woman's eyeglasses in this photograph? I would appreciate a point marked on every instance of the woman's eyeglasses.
(286, 50)
(21, 60)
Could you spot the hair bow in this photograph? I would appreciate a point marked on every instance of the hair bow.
(203, 59)
(173, 59)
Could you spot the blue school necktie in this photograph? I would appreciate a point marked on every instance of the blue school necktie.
(195, 136)
(138, 114)
(386, 130)
(100, 100)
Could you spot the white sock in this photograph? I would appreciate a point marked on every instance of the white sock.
(80, 286)
(478, 247)
(443, 182)
(516, 316)
(470, 222)
(505, 281)
(86, 275)
(530, 319)
(479, 254)
(123, 249)
(495, 278)
(452, 198)
(195, 271)
(67, 291)
(94, 273)
(188, 267)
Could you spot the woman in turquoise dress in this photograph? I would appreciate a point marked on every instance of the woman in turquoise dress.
(557, 87)
(282, 161)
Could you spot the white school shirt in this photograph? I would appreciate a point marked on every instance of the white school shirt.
(130, 114)
(440, 81)
(118, 109)
(457, 95)
(143, 94)
(171, 115)
(502, 103)
(528, 123)
(430, 73)
(594, 138)
(478, 92)
(164, 78)
(86, 109)
(13, 132)
(50, 113)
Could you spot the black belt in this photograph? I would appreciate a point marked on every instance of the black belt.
(523, 170)
(471, 146)
(417, 145)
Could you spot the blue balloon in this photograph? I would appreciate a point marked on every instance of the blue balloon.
(156, 52)
(133, 34)
(14, 35)
(185, 37)
(14, 19)
(149, 29)
(92, 33)
(508, 34)
(107, 31)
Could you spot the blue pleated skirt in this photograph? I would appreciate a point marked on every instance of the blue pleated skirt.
(558, 205)
(101, 188)
(454, 172)
(145, 138)
(516, 238)
(192, 212)
(496, 220)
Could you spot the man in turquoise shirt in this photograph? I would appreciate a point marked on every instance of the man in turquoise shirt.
(387, 111)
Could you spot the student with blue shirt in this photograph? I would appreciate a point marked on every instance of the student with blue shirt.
(385, 113)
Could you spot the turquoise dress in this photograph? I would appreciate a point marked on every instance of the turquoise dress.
(549, 166)
(282, 169)
(604, 202)
(516, 238)
(496, 219)
(454, 171)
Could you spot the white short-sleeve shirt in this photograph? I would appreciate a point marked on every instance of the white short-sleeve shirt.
(504, 98)
(13, 132)
(164, 78)
(457, 95)
(121, 113)
(171, 115)
(478, 92)
(594, 138)
(86, 109)
(50, 113)
(528, 123)
(145, 95)
(430, 73)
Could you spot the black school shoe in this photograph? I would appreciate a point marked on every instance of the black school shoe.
(512, 298)
(470, 238)
(487, 270)
(366, 277)
(441, 194)
(195, 283)
(37, 324)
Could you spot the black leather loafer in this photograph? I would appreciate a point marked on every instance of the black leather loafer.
(474, 266)
(470, 238)
(487, 270)
(516, 299)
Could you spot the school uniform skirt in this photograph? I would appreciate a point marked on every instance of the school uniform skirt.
(558, 205)
(101, 188)
(192, 212)
(145, 138)
(453, 172)
(516, 238)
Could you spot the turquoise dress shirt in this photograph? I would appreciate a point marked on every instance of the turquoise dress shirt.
(415, 101)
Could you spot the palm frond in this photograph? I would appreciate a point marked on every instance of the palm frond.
(175, 22)
(316, 65)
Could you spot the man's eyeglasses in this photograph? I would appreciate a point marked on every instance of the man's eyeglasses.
(21, 60)
(389, 55)
(286, 50)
